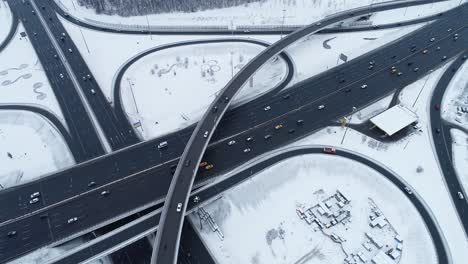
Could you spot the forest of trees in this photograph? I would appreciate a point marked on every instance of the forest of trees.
(146, 7)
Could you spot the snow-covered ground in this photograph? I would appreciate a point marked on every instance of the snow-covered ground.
(104, 62)
(30, 147)
(22, 77)
(171, 89)
(454, 106)
(460, 156)
(370, 111)
(267, 12)
(46, 254)
(412, 12)
(6, 20)
(251, 213)
(412, 157)
(317, 53)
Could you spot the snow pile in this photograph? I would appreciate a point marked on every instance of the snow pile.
(30, 147)
(183, 81)
(370, 111)
(460, 156)
(454, 106)
(320, 52)
(6, 20)
(267, 12)
(22, 77)
(259, 222)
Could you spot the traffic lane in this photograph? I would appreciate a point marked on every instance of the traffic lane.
(322, 84)
(442, 141)
(42, 46)
(119, 132)
(84, 186)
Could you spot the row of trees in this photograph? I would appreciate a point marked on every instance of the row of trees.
(146, 7)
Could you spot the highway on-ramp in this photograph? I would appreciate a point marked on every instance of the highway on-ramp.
(443, 140)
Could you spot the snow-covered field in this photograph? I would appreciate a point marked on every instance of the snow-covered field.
(406, 156)
(460, 156)
(30, 147)
(171, 89)
(104, 62)
(248, 214)
(317, 53)
(22, 77)
(6, 19)
(454, 106)
(268, 12)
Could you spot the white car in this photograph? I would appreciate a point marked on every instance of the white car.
(61, 75)
(364, 86)
(72, 220)
(35, 195)
(232, 142)
(267, 108)
(246, 150)
(320, 107)
(33, 201)
(408, 190)
(205, 135)
(92, 91)
(162, 145)
(460, 196)
(179, 207)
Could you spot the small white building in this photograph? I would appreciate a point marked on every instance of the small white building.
(394, 119)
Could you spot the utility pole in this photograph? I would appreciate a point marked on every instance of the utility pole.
(346, 129)
(232, 64)
(149, 31)
(133, 95)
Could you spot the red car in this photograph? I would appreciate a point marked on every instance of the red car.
(437, 107)
(329, 150)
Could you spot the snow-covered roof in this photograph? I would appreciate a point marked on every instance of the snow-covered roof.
(394, 119)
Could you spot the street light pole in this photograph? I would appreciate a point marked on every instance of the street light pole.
(282, 24)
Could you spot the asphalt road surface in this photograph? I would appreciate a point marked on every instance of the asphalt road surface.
(67, 194)
(149, 223)
(443, 141)
(168, 237)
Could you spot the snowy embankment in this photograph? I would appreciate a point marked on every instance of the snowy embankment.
(30, 147)
(412, 157)
(268, 12)
(22, 77)
(6, 21)
(259, 222)
(460, 156)
(320, 52)
(44, 255)
(171, 89)
(454, 106)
